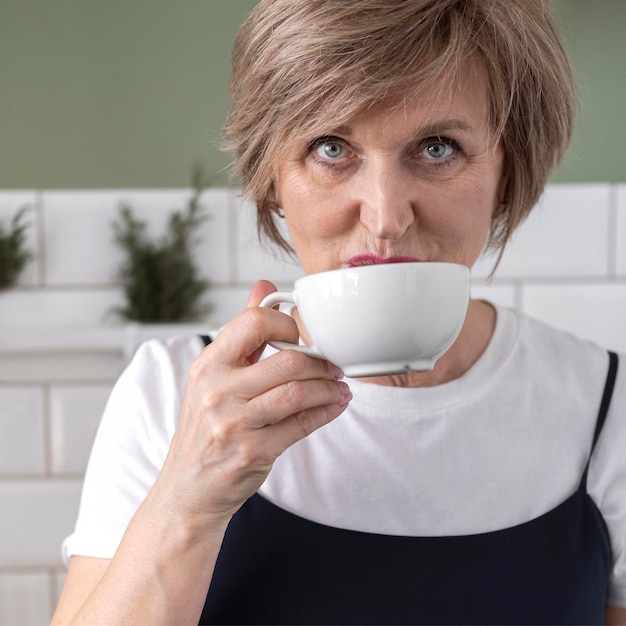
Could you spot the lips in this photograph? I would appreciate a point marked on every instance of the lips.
(372, 259)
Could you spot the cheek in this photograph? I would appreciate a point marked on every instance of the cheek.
(312, 210)
(461, 220)
(314, 225)
(291, 189)
(297, 194)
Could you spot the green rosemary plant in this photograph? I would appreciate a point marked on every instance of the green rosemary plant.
(13, 254)
(160, 280)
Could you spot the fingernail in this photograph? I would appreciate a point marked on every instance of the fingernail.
(346, 394)
(338, 373)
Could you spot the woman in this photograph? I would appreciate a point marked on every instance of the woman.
(490, 490)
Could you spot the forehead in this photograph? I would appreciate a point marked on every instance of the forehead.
(460, 95)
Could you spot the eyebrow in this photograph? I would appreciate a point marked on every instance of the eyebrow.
(432, 128)
(436, 127)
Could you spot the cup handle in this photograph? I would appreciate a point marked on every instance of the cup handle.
(287, 296)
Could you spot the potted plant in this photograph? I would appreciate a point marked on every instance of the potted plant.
(14, 256)
(160, 280)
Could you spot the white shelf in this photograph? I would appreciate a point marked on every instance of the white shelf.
(77, 353)
(121, 338)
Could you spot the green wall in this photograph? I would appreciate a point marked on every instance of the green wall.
(129, 93)
(595, 37)
(113, 93)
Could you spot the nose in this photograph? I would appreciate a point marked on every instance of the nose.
(386, 197)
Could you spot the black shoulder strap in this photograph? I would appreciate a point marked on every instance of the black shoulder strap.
(206, 339)
(604, 409)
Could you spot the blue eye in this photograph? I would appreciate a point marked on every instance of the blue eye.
(329, 150)
(437, 150)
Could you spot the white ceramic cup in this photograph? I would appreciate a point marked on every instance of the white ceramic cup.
(380, 319)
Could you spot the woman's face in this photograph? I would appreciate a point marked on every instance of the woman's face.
(418, 182)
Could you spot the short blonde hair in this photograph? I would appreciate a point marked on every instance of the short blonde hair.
(306, 66)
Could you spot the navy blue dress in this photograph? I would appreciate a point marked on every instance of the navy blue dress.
(278, 568)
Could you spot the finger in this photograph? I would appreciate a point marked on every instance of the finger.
(294, 397)
(282, 368)
(252, 352)
(261, 289)
(240, 342)
(300, 425)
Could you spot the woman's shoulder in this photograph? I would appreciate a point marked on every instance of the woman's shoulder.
(173, 348)
(165, 357)
(153, 383)
(555, 349)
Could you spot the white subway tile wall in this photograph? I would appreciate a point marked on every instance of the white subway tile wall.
(566, 265)
(22, 431)
(25, 598)
(74, 413)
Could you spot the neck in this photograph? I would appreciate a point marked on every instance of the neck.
(479, 326)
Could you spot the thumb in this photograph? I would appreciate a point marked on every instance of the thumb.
(259, 291)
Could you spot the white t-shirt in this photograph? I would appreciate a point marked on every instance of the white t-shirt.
(503, 444)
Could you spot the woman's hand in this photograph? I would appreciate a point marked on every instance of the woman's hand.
(239, 414)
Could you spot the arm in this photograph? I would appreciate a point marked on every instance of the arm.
(615, 616)
(238, 415)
